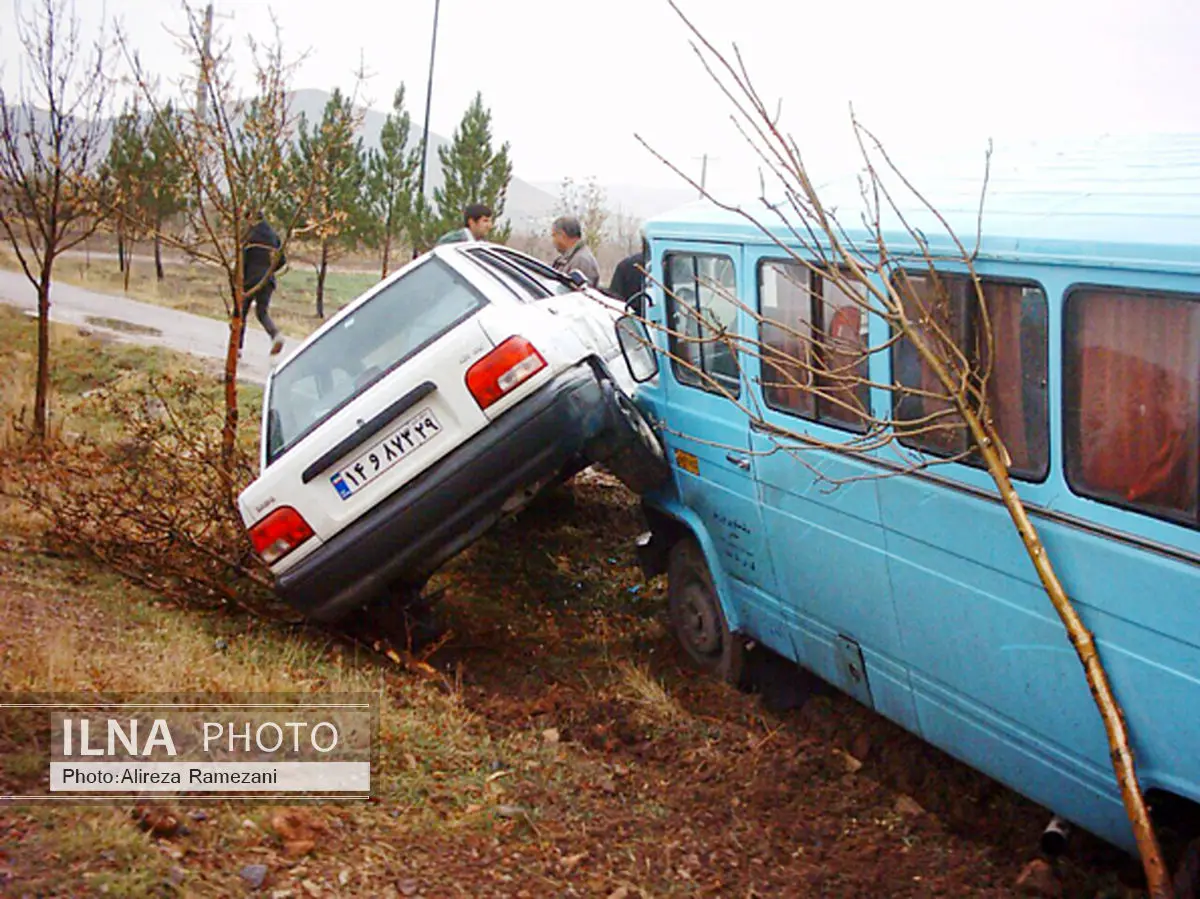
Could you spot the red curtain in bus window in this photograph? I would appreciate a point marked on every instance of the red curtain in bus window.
(1018, 387)
(1004, 383)
(1136, 370)
(941, 297)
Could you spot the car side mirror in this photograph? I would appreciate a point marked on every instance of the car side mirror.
(637, 348)
(638, 303)
(578, 278)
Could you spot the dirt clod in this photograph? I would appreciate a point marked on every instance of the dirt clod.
(157, 821)
(1038, 879)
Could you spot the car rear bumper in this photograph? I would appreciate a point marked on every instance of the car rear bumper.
(408, 536)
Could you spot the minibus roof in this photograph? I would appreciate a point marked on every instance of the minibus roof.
(1115, 202)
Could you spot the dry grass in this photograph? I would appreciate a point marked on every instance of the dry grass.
(65, 627)
(646, 692)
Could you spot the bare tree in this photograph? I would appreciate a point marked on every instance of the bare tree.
(946, 402)
(51, 138)
(232, 155)
(586, 201)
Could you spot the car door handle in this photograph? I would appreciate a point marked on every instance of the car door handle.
(740, 461)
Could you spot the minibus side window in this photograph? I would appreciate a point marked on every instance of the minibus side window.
(1132, 399)
(814, 340)
(1017, 383)
(702, 308)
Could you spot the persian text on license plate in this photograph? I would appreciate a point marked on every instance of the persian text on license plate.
(414, 433)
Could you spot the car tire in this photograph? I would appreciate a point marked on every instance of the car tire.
(696, 616)
(637, 457)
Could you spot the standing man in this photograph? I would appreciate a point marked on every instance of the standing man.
(628, 279)
(477, 224)
(573, 253)
(262, 256)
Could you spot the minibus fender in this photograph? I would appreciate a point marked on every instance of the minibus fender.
(671, 521)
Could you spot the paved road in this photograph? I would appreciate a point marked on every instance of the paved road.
(155, 325)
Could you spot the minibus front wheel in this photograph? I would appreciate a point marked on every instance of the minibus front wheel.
(696, 616)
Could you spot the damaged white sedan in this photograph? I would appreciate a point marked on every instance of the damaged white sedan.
(440, 401)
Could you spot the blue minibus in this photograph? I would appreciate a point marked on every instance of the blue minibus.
(909, 587)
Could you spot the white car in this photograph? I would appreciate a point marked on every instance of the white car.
(426, 410)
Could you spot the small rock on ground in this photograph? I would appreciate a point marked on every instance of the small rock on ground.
(254, 875)
(1038, 879)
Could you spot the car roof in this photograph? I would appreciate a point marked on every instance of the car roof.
(1113, 202)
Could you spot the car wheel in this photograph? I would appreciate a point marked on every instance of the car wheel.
(638, 459)
(696, 616)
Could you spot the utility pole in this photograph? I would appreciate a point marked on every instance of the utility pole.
(704, 172)
(428, 101)
(205, 64)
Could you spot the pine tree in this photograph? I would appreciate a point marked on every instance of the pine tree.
(124, 173)
(333, 160)
(472, 172)
(164, 194)
(390, 180)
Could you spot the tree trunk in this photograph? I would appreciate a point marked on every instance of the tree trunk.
(42, 392)
(120, 251)
(128, 265)
(158, 268)
(387, 252)
(1158, 878)
(229, 430)
(995, 457)
(321, 279)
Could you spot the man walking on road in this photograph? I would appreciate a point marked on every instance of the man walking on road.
(573, 253)
(262, 256)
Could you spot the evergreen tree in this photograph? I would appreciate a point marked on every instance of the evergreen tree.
(164, 195)
(391, 180)
(332, 160)
(473, 172)
(124, 172)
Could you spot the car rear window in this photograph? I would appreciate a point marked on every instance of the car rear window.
(363, 346)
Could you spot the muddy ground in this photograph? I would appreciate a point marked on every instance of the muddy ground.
(622, 772)
(748, 801)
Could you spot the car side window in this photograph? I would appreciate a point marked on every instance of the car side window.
(550, 280)
(702, 321)
(522, 286)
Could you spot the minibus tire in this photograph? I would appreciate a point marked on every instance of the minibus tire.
(640, 463)
(697, 618)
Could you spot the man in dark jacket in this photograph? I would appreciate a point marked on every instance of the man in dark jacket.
(627, 279)
(262, 256)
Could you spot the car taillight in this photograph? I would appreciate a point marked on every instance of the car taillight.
(513, 362)
(279, 533)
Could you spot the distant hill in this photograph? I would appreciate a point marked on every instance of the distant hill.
(526, 206)
(633, 200)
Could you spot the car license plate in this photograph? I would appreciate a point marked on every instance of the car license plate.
(403, 440)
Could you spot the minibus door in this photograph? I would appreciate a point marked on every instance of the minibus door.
(820, 507)
(706, 429)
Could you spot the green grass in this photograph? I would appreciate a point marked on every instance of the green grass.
(204, 290)
(81, 363)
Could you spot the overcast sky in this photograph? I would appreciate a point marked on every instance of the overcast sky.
(569, 84)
